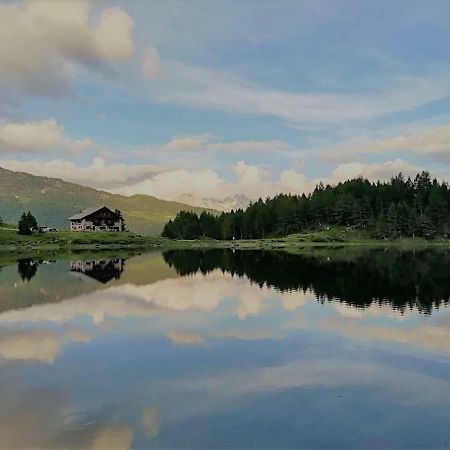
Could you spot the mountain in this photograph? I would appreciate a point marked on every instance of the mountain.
(52, 200)
(225, 204)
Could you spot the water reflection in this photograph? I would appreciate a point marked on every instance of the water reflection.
(27, 268)
(103, 270)
(227, 350)
(402, 279)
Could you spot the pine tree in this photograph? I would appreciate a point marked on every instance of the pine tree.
(426, 226)
(392, 221)
(403, 218)
(27, 224)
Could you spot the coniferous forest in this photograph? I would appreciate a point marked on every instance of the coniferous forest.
(400, 207)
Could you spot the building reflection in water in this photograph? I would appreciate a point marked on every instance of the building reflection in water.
(102, 270)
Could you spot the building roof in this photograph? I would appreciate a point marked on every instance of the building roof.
(86, 212)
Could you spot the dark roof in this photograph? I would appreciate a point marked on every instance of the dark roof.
(86, 212)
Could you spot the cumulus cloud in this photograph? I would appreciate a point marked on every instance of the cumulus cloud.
(38, 137)
(171, 184)
(42, 43)
(112, 35)
(252, 181)
(373, 171)
(184, 84)
(199, 186)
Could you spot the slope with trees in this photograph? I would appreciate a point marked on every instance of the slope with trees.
(397, 208)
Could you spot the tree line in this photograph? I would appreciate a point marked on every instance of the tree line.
(391, 209)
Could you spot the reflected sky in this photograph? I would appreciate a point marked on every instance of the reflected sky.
(148, 354)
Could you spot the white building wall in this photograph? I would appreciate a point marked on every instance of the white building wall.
(86, 225)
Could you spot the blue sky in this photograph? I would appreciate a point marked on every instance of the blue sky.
(206, 100)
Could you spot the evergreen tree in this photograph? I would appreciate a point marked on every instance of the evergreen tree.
(392, 222)
(27, 224)
(398, 207)
(403, 218)
(381, 227)
(426, 226)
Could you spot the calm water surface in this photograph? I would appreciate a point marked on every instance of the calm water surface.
(338, 348)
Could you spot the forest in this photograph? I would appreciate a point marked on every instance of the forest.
(400, 207)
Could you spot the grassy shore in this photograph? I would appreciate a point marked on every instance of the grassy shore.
(69, 241)
(11, 240)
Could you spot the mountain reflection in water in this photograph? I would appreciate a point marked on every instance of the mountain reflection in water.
(329, 348)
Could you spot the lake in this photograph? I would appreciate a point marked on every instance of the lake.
(220, 349)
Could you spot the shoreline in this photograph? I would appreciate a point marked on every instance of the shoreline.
(69, 242)
(150, 243)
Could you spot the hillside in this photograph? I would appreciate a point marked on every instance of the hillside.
(52, 200)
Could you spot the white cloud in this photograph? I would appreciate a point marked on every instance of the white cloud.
(208, 142)
(294, 181)
(373, 171)
(112, 35)
(185, 84)
(97, 174)
(37, 137)
(185, 338)
(42, 43)
(206, 184)
(119, 436)
(171, 184)
(430, 142)
(251, 180)
(37, 345)
(251, 146)
(195, 142)
(151, 64)
(197, 293)
(249, 176)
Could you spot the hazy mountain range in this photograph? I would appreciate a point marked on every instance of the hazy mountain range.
(52, 200)
(225, 204)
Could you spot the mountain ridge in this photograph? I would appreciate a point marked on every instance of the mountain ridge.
(238, 201)
(52, 200)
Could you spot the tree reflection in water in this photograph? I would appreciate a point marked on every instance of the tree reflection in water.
(27, 268)
(403, 279)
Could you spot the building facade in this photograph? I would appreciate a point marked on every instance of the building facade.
(97, 219)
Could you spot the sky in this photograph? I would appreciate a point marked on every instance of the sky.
(219, 102)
